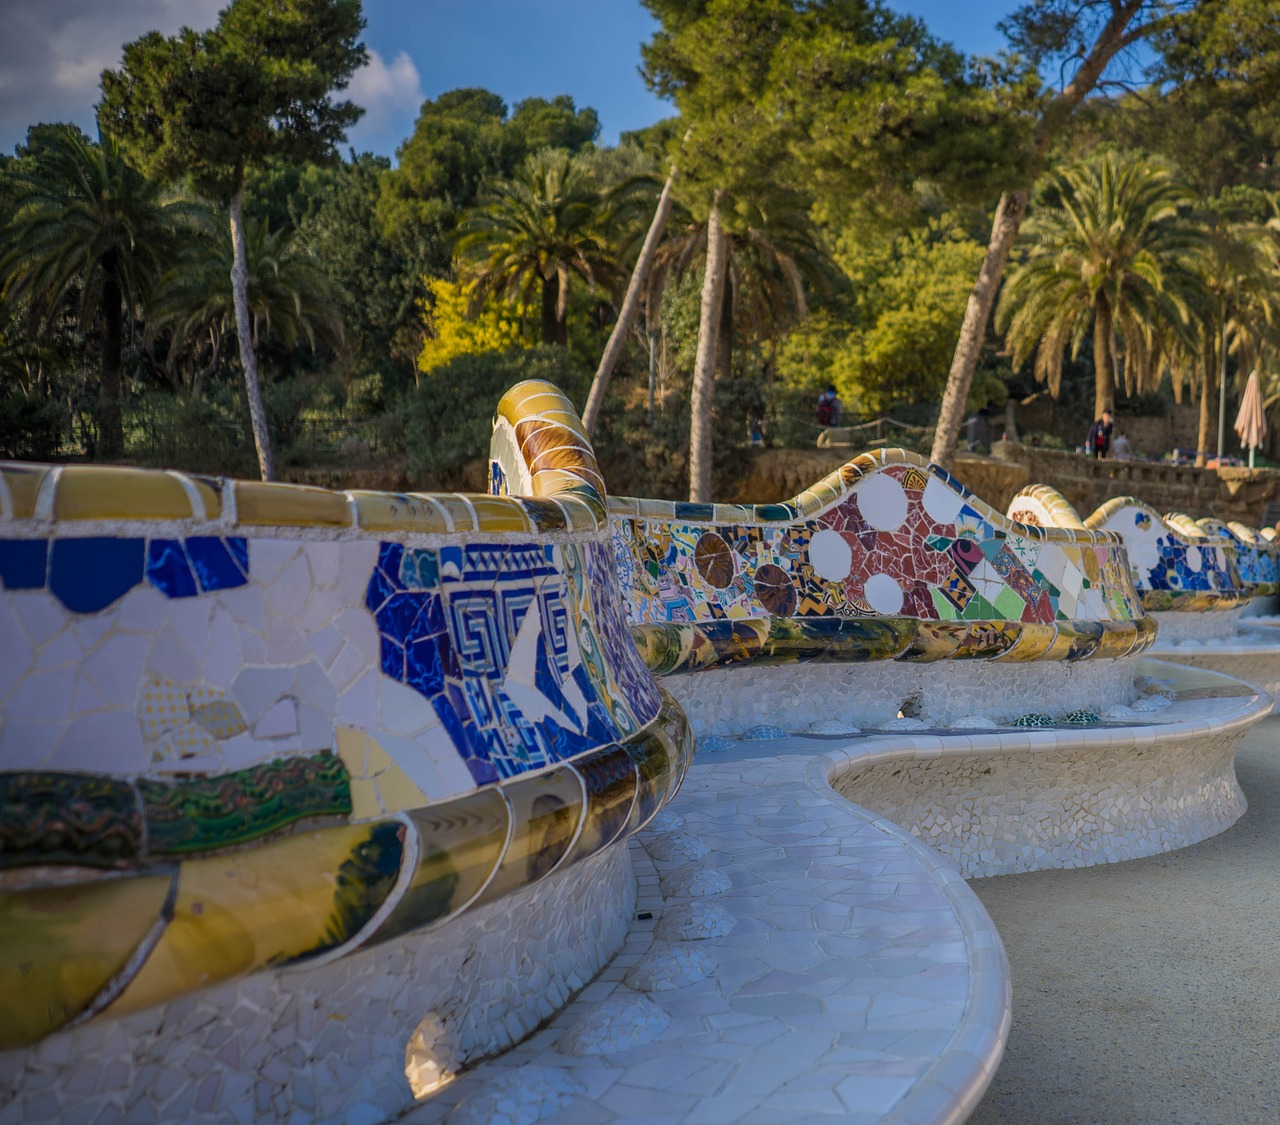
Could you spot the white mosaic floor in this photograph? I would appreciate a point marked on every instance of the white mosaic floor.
(803, 959)
(858, 979)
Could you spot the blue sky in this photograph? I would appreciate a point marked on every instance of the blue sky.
(52, 51)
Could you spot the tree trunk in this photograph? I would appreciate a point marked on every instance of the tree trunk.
(1111, 40)
(1208, 385)
(562, 307)
(1013, 206)
(550, 305)
(1104, 373)
(110, 427)
(724, 346)
(244, 334)
(630, 307)
(704, 370)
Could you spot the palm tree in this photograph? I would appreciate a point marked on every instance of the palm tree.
(1115, 251)
(290, 298)
(1237, 315)
(87, 223)
(531, 234)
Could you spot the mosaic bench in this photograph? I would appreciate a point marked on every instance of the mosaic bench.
(294, 780)
(1258, 559)
(886, 589)
(1192, 579)
(1178, 567)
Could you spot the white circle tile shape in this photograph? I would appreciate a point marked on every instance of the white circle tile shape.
(1193, 558)
(884, 595)
(882, 502)
(830, 556)
(941, 502)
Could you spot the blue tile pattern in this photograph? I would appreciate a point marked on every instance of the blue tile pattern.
(87, 575)
(493, 635)
(23, 563)
(1211, 569)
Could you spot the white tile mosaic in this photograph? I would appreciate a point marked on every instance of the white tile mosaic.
(729, 701)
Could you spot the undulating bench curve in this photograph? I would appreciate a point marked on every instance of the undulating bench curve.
(252, 727)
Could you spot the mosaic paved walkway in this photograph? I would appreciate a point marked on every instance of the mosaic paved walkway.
(851, 974)
(1148, 991)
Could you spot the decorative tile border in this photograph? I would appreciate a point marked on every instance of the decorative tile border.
(1176, 564)
(888, 558)
(254, 725)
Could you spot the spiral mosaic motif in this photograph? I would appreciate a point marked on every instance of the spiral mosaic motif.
(776, 591)
(714, 560)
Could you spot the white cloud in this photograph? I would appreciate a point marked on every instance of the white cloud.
(52, 52)
(385, 91)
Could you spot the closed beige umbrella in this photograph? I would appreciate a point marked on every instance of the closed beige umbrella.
(1251, 422)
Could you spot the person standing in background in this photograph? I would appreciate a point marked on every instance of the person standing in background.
(1098, 443)
(829, 407)
(1121, 450)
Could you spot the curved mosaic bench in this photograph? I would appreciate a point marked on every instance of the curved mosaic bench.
(1178, 566)
(389, 743)
(1258, 559)
(889, 564)
(1191, 579)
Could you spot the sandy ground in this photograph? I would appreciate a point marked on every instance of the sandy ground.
(1149, 991)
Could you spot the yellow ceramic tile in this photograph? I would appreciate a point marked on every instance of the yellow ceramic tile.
(101, 492)
(500, 514)
(269, 503)
(396, 792)
(459, 845)
(22, 483)
(64, 944)
(364, 800)
(389, 511)
(247, 909)
(457, 511)
(379, 759)
(210, 490)
(353, 749)
(546, 810)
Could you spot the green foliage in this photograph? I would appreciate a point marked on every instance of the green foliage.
(377, 277)
(1110, 246)
(290, 298)
(847, 100)
(888, 343)
(554, 124)
(208, 105)
(85, 221)
(463, 139)
(448, 418)
(531, 234)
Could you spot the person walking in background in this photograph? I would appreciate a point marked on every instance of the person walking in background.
(829, 407)
(1121, 450)
(1098, 443)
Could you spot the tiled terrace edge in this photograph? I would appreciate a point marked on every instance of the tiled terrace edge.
(871, 590)
(807, 959)
(292, 777)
